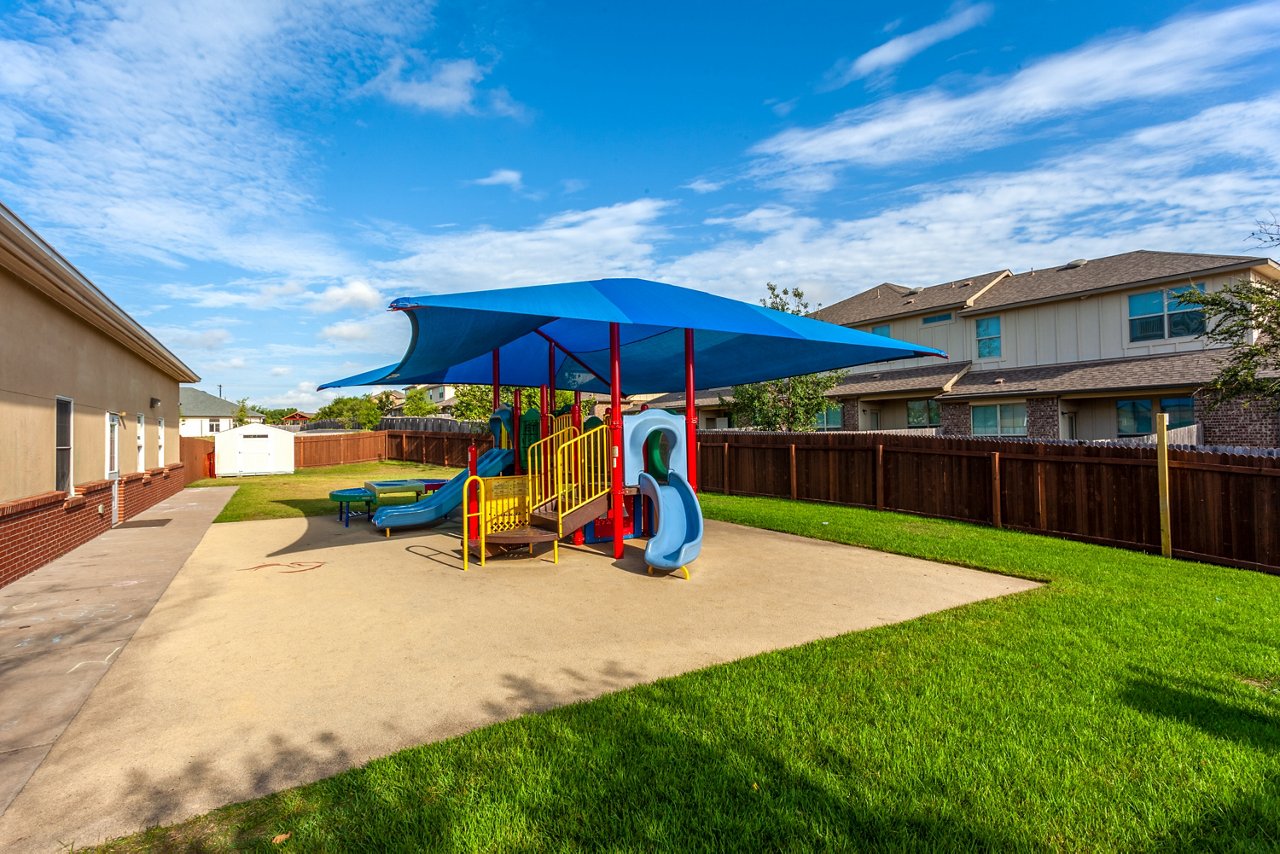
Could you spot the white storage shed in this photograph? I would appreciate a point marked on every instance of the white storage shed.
(253, 449)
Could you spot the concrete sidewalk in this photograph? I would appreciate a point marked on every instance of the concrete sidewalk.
(62, 626)
(290, 650)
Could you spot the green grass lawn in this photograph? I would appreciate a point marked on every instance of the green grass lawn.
(306, 491)
(1132, 704)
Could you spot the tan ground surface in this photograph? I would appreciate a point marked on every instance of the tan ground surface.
(285, 651)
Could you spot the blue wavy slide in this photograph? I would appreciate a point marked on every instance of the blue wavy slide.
(444, 500)
(677, 529)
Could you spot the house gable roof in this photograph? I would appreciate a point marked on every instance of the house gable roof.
(195, 403)
(1128, 269)
(888, 300)
(929, 378)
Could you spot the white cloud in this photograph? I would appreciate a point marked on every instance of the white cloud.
(351, 294)
(569, 186)
(608, 241)
(501, 178)
(1191, 185)
(147, 129)
(280, 371)
(897, 51)
(449, 87)
(703, 186)
(384, 334)
(302, 396)
(1187, 55)
(184, 338)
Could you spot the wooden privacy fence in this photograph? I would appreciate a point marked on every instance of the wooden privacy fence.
(194, 452)
(338, 448)
(1225, 507)
(442, 449)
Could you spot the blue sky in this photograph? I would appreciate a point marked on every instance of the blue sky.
(255, 181)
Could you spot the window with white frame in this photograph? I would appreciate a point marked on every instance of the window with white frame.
(988, 334)
(924, 413)
(931, 319)
(159, 442)
(1156, 315)
(882, 329)
(215, 425)
(63, 409)
(999, 419)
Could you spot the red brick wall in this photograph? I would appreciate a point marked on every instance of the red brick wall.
(955, 419)
(1043, 418)
(1253, 426)
(35, 530)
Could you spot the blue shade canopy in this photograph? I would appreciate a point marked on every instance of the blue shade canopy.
(454, 336)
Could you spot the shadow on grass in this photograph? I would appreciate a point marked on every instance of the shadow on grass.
(1252, 821)
(1204, 707)
(643, 771)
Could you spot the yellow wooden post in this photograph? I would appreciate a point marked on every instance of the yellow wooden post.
(1162, 481)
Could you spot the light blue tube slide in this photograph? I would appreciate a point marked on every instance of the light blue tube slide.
(677, 530)
(444, 500)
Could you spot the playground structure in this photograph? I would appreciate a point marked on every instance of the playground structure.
(630, 476)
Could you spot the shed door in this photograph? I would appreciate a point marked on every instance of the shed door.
(255, 453)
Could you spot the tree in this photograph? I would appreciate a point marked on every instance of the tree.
(385, 401)
(352, 411)
(475, 402)
(1245, 316)
(792, 404)
(241, 417)
(417, 405)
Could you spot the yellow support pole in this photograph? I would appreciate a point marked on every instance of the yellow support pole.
(1162, 481)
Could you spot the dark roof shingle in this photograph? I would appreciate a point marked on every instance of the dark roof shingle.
(889, 300)
(1112, 271)
(194, 403)
(934, 378)
(1149, 372)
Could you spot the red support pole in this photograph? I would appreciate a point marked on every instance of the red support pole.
(690, 411)
(516, 393)
(497, 382)
(473, 524)
(616, 513)
(546, 421)
(577, 410)
(551, 376)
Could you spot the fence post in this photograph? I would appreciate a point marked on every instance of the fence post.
(1042, 511)
(793, 471)
(995, 489)
(726, 468)
(1162, 482)
(879, 477)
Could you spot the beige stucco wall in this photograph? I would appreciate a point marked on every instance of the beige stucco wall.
(46, 352)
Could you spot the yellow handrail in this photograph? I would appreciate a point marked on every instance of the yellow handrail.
(502, 505)
(542, 465)
(561, 422)
(582, 472)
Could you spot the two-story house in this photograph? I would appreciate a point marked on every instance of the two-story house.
(1092, 349)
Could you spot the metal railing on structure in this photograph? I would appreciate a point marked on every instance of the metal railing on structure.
(582, 472)
(543, 483)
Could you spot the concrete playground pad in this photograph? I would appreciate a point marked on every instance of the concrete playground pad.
(286, 651)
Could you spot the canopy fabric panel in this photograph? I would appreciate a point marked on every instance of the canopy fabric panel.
(454, 336)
